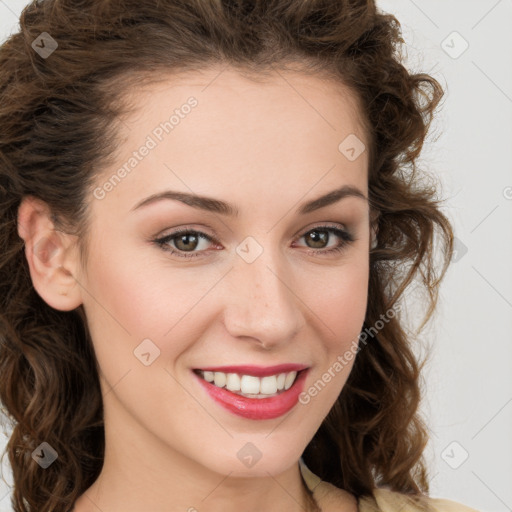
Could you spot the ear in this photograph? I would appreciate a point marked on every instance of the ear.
(52, 255)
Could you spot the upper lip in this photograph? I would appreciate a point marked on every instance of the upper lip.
(257, 371)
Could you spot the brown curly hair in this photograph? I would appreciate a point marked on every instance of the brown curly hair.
(58, 118)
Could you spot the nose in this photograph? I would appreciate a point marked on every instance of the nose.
(264, 301)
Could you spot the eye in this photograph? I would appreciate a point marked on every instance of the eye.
(322, 234)
(184, 242)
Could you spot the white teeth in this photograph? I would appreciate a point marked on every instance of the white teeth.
(249, 384)
(219, 379)
(268, 385)
(233, 382)
(289, 380)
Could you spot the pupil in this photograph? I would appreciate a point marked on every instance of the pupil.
(318, 236)
(183, 238)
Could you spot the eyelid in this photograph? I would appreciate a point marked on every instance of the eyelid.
(185, 229)
(318, 225)
(208, 231)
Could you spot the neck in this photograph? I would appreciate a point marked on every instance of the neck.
(141, 473)
(118, 490)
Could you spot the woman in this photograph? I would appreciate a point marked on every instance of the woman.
(211, 211)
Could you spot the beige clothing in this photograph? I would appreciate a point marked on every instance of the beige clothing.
(332, 499)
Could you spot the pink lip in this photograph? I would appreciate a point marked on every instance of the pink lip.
(256, 408)
(257, 371)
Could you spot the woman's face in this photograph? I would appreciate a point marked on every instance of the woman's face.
(257, 288)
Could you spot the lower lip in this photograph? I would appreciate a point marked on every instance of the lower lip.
(256, 408)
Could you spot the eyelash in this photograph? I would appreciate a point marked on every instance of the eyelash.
(162, 242)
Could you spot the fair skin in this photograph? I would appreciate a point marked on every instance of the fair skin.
(264, 149)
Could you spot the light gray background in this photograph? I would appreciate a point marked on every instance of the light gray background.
(468, 381)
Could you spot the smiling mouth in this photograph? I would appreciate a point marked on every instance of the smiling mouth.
(251, 386)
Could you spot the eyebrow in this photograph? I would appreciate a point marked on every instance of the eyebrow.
(217, 206)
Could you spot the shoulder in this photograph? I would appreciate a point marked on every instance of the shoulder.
(384, 500)
(328, 497)
(333, 499)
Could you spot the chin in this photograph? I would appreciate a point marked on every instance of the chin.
(252, 460)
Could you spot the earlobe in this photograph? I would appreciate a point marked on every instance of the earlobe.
(51, 256)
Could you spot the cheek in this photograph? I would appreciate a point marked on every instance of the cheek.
(130, 302)
(132, 298)
(340, 309)
(140, 297)
(340, 300)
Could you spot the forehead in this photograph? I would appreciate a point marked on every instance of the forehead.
(216, 127)
(280, 90)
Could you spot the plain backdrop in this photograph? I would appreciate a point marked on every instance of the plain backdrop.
(467, 47)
